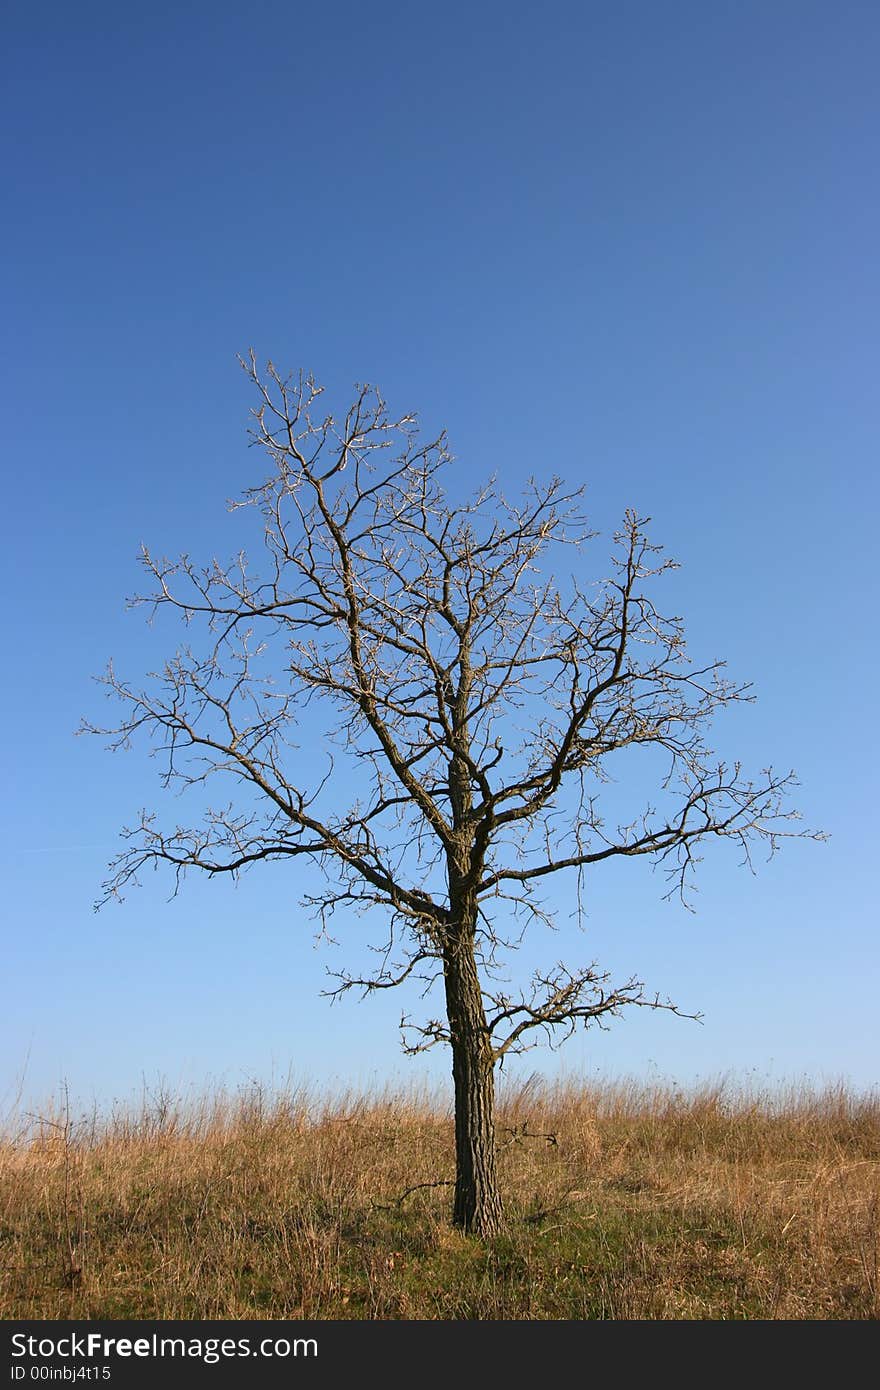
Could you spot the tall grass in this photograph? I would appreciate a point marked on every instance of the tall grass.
(623, 1201)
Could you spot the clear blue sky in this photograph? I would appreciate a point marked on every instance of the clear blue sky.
(632, 243)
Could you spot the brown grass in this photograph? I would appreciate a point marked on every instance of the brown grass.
(643, 1203)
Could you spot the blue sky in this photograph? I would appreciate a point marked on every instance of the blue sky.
(634, 244)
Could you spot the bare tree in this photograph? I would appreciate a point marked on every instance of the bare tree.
(478, 701)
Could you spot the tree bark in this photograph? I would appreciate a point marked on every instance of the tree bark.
(477, 1208)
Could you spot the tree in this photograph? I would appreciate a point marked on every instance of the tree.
(480, 702)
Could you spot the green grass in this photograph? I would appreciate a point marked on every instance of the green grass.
(649, 1204)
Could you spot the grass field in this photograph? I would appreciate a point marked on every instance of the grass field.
(622, 1202)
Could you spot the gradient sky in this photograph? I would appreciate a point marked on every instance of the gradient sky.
(632, 243)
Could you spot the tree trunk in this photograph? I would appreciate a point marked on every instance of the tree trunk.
(477, 1207)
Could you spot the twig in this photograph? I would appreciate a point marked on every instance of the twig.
(416, 1187)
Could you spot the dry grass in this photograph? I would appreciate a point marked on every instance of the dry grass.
(646, 1203)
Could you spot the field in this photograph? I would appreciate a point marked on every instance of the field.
(622, 1202)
